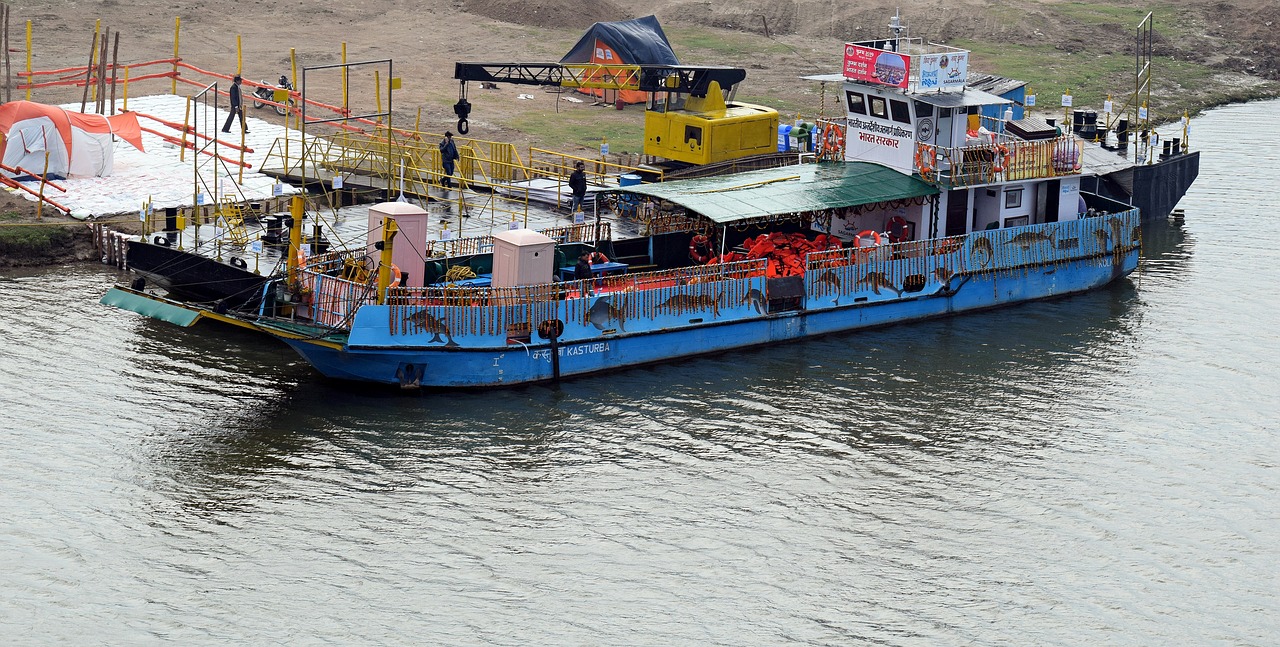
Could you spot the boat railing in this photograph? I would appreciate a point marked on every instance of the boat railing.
(330, 300)
(1000, 160)
(472, 245)
(907, 267)
(453, 295)
(517, 311)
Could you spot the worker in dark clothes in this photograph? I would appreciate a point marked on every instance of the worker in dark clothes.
(578, 184)
(582, 272)
(237, 107)
(448, 155)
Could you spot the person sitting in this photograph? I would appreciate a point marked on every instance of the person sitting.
(582, 272)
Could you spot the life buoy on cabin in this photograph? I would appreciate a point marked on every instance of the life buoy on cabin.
(396, 276)
(238, 263)
(833, 142)
(925, 157)
(875, 235)
(1000, 159)
(595, 258)
(700, 249)
(898, 229)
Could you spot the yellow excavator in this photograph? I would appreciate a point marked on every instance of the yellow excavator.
(690, 117)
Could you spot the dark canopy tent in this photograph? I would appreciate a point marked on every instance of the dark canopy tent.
(628, 42)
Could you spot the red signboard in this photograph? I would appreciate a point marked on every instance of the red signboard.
(875, 65)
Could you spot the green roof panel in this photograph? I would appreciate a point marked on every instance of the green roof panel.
(790, 189)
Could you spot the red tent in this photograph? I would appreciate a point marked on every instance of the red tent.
(76, 144)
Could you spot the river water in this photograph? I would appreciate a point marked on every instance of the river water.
(1102, 469)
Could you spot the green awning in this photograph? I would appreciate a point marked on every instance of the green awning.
(799, 188)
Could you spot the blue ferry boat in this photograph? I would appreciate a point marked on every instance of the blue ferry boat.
(915, 205)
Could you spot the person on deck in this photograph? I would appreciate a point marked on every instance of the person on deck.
(448, 155)
(582, 272)
(237, 106)
(578, 185)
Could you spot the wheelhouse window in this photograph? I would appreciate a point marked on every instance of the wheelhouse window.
(1013, 198)
(857, 103)
(879, 107)
(901, 112)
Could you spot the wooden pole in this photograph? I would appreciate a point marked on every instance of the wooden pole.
(186, 125)
(88, 70)
(346, 105)
(29, 77)
(100, 88)
(239, 57)
(173, 81)
(40, 202)
(8, 69)
(115, 57)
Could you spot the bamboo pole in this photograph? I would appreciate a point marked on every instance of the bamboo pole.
(186, 125)
(40, 202)
(125, 89)
(115, 57)
(100, 86)
(8, 68)
(88, 70)
(29, 76)
(239, 59)
(346, 106)
(173, 80)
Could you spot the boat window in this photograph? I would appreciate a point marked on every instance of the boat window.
(924, 109)
(1013, 198)
(901, 113)
(879, 108)
(944, 112)
(857, 104)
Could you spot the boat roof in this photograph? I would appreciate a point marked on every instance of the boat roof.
(969, 97)
(786, 190)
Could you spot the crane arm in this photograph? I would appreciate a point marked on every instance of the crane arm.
(685, 79)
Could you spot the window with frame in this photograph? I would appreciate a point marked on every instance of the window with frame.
(878, 107)
(1013, 198)
(857, 103)
(901, 111)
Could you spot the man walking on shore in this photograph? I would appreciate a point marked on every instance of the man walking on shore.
(237, 106)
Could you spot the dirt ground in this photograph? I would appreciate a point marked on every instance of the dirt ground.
(776, 40)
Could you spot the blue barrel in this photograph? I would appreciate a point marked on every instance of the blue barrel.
(628, 179)
(784, 138)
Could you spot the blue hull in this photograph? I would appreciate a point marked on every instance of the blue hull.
(999, 268)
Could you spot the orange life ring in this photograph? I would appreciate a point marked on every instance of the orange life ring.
(396, 277)
(898, 229)
(700, 249)
(833, 142)
(857, 240)
(926, 155)
(302, 258)
(596, 257)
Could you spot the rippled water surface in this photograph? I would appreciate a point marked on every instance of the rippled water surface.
(1102, 469)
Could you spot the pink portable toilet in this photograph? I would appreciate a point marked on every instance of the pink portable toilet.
(522, 257)
(406, 248)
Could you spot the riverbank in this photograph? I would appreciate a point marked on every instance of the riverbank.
(51, 239)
